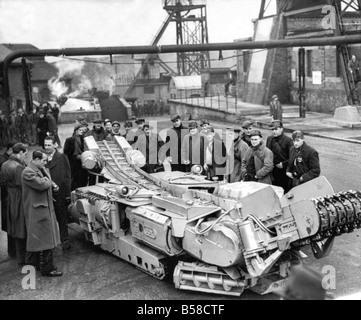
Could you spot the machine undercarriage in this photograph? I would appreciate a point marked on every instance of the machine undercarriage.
(220, 238)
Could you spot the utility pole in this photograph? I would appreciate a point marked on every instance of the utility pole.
(302, 82)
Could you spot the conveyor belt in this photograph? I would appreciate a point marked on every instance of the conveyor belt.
(118, 166)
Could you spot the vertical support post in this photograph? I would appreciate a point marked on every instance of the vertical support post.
(302, 82)
(27, 87)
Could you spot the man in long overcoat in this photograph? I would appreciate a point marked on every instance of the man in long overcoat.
(43, 230)
(16, 228)
(276, 110)
(59, 167)
(257, 163)
(4, 198)
(237, 150)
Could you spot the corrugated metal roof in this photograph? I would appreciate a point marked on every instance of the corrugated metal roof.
(188, 82)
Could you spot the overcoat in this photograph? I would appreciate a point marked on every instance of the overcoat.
(43, 229)
(12, 170)
(239, 150)
(60, 173)
(276, 110)
(304, 163)
(219, 158)
(263, 160)
(72, 148)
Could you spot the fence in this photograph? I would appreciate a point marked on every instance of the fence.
(216, 100)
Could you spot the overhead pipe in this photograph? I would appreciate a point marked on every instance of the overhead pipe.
(245, 45)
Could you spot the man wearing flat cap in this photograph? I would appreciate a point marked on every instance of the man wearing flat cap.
(204, 124)
(237, 149)
(247, 127)
(172, 149)
(304, 163)
(116, 128)
(193, 147)
(98, 131)
(257, 163)
(280, 145)
(276, 110)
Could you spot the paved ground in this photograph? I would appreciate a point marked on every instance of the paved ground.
(93, 274)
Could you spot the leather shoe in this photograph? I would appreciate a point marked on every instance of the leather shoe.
(53, 273)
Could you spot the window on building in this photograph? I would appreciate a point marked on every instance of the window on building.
(309, 63)
(246, 59)
(148, 90)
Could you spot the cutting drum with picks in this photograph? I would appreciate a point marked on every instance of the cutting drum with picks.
(204, 235)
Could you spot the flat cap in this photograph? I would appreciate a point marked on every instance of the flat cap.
(192, 124)
(147, 126)
(175, 117)
(128, 124)
(204, 121)
(139, 120)
(247, 124)
(274, 96)
(255, 133)
(80, 118)
(107, 120)
(116, 122)
(276, 124)
(297, 135)
(98, 121)
(78, 126)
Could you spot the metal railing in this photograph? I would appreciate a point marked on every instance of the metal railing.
(216, 100)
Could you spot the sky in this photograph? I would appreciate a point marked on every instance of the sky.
(55, 24)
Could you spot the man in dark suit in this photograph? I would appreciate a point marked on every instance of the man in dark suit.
(59, 167)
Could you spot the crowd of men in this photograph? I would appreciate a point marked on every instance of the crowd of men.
(29, 128)
(35, 195)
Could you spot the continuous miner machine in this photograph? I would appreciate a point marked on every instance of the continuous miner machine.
(204, 235)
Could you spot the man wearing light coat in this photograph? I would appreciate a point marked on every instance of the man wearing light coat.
(41, 223)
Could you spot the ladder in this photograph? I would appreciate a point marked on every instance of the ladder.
(352, 92)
